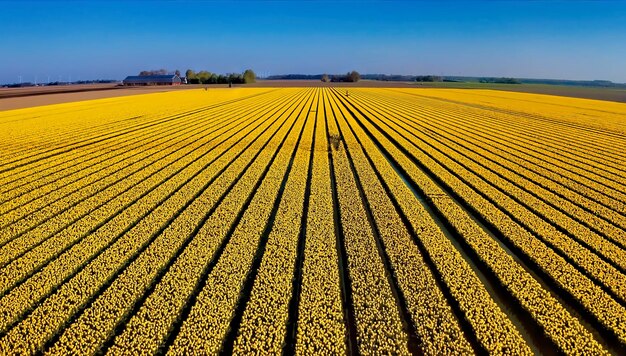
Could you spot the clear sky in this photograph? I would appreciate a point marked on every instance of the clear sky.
(112, 39)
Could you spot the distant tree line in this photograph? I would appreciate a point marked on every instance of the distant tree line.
(459, 79)
(352, 77)
(428, 78)
(206, 77)
(584, 83)
(500, 80)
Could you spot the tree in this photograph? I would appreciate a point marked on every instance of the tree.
(353, 76)
(222, 79)
(192, 78)
(236, 78)
(325, 78)
(428, 78)
(177, 73)
(500, 80)
(203, 76)
(213, 79)
(249, 76)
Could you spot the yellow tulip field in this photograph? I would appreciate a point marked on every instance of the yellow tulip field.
(314, 221)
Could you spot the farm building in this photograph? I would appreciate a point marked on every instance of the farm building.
(152, 80)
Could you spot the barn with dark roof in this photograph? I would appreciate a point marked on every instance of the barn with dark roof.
(133, 80)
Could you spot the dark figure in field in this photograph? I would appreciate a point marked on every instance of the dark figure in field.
(206, 88)
(347, 95)
(230, 85)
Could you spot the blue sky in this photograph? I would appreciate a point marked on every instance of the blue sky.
(112, 39)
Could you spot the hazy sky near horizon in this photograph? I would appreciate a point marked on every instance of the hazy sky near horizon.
(112, 39)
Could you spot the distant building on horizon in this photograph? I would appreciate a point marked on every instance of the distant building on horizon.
(137, 80)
